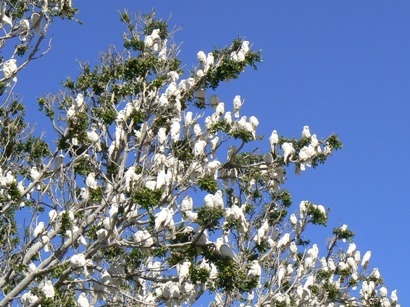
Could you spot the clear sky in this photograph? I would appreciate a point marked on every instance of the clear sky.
(337, 66)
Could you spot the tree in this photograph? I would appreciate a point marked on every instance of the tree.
(154, 193)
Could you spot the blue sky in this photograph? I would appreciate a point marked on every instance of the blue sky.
(337, 66)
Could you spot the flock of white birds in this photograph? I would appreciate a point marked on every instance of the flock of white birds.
(165, 171)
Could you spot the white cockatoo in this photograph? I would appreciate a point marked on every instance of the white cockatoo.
(261, 233)
(187, 203)
(288, 151)
(201, 56)
(218, 200)
(306, 132)
(197, 130)
(224, 249)
(351, 249)
(144, 237)
(34, 173)
(273, 140)
(9, 68)
(393, 297)
(209, 200)
(91, 182)
(183, 271)
(29, 299)
(79, 101)
(48, 289)
(237, 105)
(214, 144)
(175, 131)
(39, 229)
(366, 258)
(94, 138)
(235, 213)
(163, 218)
(220, 109)
(284, 240)
(199, 148)
(82, 300)
(77, 261)
(255, 270)
(313, 252)
(209, 61)
(228, 118)
(130, 177)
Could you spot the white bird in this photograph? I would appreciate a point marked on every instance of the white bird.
(175, 131)
(224, 249)
(214, 144)
(201, 56)
(183, 270)
(187, 203)
(164, 218)
(228, 118)
(284, 240)
(351, 249)
(288, 151)
(39, 229)
(9, 68)
(306, 132)
(218, 200)
(48, 289)
(34, 173)
(383, 291)
(29, 299)
(366, 258)
(235, 213)
(188, 118)
(209, 200)
(52, 216)
(209, 61)
(82, 300)
(77, 261)
(313, 251)
(94, 138)
(261, 233)
(91, 182)
(161, 179)
(281, 273)
(255, 270)
(197, 130)
(273, 140)
(220, 109)
(199, 148)
(130, 177)
(393, 296)
(79, 100)
(232, 150)
(144, 237)
(293, 220)
(171, 290)
(237, 105)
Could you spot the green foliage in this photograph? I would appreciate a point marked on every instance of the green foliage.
(316, 215)
(198, 275)
(229, 69)
(96, 194)
(343, 234)
(209, 217)
(208, 183)
(146, 198)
